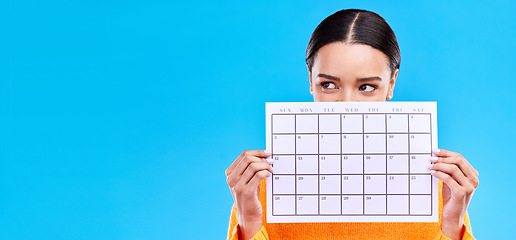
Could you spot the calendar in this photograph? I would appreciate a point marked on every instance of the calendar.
(351, 162)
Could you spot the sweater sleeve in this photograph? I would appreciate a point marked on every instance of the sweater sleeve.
(234, 229)
(466, 231)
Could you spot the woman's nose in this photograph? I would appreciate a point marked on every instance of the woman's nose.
(346, 96)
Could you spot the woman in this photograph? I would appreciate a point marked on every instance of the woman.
(353, 55)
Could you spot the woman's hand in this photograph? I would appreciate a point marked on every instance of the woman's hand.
(243, 177)
(460, 181)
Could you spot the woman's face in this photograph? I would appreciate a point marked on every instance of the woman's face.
(344, 72)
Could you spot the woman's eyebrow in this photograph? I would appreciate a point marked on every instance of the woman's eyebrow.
(375, 78)
(328, 76)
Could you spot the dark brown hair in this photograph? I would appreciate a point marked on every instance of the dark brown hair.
(356, 27)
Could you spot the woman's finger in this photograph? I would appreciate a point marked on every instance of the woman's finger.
(444, 153)
(451, 170)
(236, 174)
(258, 153)
(257, 178)
(253, 169)
(461, 163)
(457, 158)
(448, 180)
(472, 169)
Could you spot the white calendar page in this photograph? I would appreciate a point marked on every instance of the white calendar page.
(351, 162)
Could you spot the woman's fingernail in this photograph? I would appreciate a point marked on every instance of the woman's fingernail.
(432, 171)
(267, 151)
(436, 150)
(433, 159)
(270, 161)
(429, 167)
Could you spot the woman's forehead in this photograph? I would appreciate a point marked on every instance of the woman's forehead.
(353, 60)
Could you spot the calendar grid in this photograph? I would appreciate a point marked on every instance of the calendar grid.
(409, 158)
(295, 164)
(302, 155)
(363, 165)
(318, 167)
(431, 179)
(340, 164)
(272, 157)
(386, 154)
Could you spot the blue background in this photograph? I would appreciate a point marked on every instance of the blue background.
(118, 118)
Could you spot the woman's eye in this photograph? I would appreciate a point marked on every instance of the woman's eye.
(367, 88)
(328, 85)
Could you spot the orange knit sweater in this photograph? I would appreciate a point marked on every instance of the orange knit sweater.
(346, 230)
